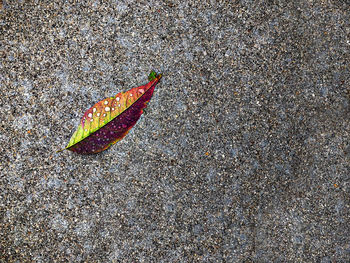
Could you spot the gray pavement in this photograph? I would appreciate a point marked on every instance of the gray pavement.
(243, 154)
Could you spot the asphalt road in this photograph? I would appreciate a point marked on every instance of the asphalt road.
(243, 153)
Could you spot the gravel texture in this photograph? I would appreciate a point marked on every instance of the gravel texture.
(243, 154)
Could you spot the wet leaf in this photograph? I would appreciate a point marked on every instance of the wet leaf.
(109, 120)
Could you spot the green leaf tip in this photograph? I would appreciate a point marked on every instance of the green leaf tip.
(153, 75)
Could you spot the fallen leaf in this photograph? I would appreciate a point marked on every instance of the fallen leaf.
(109, 120)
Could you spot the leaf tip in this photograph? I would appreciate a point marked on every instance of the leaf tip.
(153, 75)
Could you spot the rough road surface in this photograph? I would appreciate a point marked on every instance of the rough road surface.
(243, 154)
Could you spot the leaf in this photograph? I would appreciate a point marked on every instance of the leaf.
(109, 120)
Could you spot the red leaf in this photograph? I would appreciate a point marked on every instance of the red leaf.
(109, 120)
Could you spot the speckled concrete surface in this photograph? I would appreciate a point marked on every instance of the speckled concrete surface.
(243, 155)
